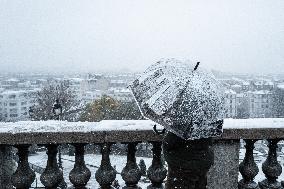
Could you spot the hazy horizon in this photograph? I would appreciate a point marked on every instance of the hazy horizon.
(235, 36)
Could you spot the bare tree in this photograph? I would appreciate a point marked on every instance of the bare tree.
(45, 98)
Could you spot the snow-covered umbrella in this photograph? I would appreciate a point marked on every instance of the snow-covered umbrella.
(184, 98)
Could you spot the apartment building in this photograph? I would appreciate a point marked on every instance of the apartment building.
(14, 105)
(121, 94)
(230, 104)
(260, 103)
(90, 96)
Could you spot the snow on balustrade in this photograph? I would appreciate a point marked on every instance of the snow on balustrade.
(124, 125)
(264, 123)
(64, 126)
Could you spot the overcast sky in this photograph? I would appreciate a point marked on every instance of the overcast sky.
(96, 35)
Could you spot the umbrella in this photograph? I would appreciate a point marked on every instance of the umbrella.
(184, 98)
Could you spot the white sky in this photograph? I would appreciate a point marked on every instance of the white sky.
(95, 35)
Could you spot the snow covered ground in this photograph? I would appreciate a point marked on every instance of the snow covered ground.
(260, 154)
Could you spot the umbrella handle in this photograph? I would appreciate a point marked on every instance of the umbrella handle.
(158, 132)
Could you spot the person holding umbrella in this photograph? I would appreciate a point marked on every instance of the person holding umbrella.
(188, 101)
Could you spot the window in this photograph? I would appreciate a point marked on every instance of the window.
(23, 95)
(12, 104)
(13, 110)
(23, 103)
(12, 96)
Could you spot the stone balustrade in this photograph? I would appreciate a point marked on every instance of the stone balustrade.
(223, 175)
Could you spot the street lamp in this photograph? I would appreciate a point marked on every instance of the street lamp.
(57, 111)
(31, 113)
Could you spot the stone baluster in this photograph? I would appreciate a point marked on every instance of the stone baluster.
(52, 175)
(271, 168)
(156, 172)
(80, 174)
(248, 168)
(131, 173)
(24, 175)
(8, 166)
(106, 174)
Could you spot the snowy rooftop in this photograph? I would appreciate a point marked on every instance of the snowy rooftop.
(260, 92)
(240, 95)
(281, 86)
(246, 83)
(12, 80)
(236, 86)
(230, 91)
(124, 131)
(119, 90)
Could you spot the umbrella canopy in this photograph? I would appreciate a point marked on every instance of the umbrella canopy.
(186, 100)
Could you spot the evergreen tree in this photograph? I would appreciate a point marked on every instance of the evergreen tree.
(107, 108)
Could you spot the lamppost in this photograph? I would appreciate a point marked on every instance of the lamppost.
(57, 111)
(31, 113)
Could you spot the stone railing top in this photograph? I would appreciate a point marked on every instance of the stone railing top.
(42, 132)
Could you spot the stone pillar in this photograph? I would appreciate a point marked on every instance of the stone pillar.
(7, 166)
(225, 170)
(188, 162)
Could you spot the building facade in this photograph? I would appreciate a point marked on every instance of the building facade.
(14, 105)
(230, 104)
(260, 103)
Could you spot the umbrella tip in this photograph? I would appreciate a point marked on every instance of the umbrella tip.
(196, 66)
